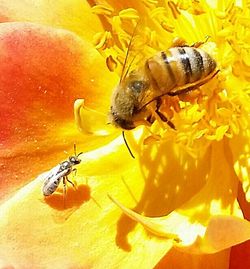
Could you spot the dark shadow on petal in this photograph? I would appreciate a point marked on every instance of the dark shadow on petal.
(124, 226)
(173, 178)
(74, 198)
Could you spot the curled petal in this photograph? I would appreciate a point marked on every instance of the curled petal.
(152, 225)
(90, 121)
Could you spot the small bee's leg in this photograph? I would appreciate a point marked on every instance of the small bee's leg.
(65, 179)
(75, 171)
(163, 117)
(73, 185)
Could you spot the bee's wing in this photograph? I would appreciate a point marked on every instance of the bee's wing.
(135, 49)
(52, 180)
(51, 173)
(54, 177)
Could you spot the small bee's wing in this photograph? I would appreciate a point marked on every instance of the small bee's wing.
(52, 180)
(52, 172)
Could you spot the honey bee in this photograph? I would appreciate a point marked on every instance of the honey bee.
(60, 172)
(173, 72)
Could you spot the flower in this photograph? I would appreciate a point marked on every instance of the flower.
(181, 169)
(174, 179)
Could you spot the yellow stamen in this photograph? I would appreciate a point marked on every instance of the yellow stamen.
(102, 10)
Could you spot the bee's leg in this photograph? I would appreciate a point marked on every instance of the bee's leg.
(178, 42)
(75, 171)
(199, 43)
(191, 88)
(150, 119)
(181, 91)
(163, 117)
(65, 179)
(73, 185)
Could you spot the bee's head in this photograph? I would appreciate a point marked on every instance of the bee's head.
(126, 100)
(74, 160)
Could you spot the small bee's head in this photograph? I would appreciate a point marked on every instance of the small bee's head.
(74, 160)
(127, 99)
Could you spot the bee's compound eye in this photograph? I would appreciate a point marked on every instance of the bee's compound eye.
(137, 85)
(72, 159)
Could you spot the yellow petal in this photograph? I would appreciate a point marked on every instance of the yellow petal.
(190, 223)
(241, 156)
(89, 232)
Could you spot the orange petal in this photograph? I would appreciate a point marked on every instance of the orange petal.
(73, 15)
(183, 260)
(43, 71)
(240, 254)
(225, 231)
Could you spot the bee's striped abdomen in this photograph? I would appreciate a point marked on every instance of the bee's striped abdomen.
(185, 63)
(179, 66)
(50, 186)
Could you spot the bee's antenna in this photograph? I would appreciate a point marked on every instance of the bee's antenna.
(80, 154)
(123, 135)
(75, 148)
(77, 155)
